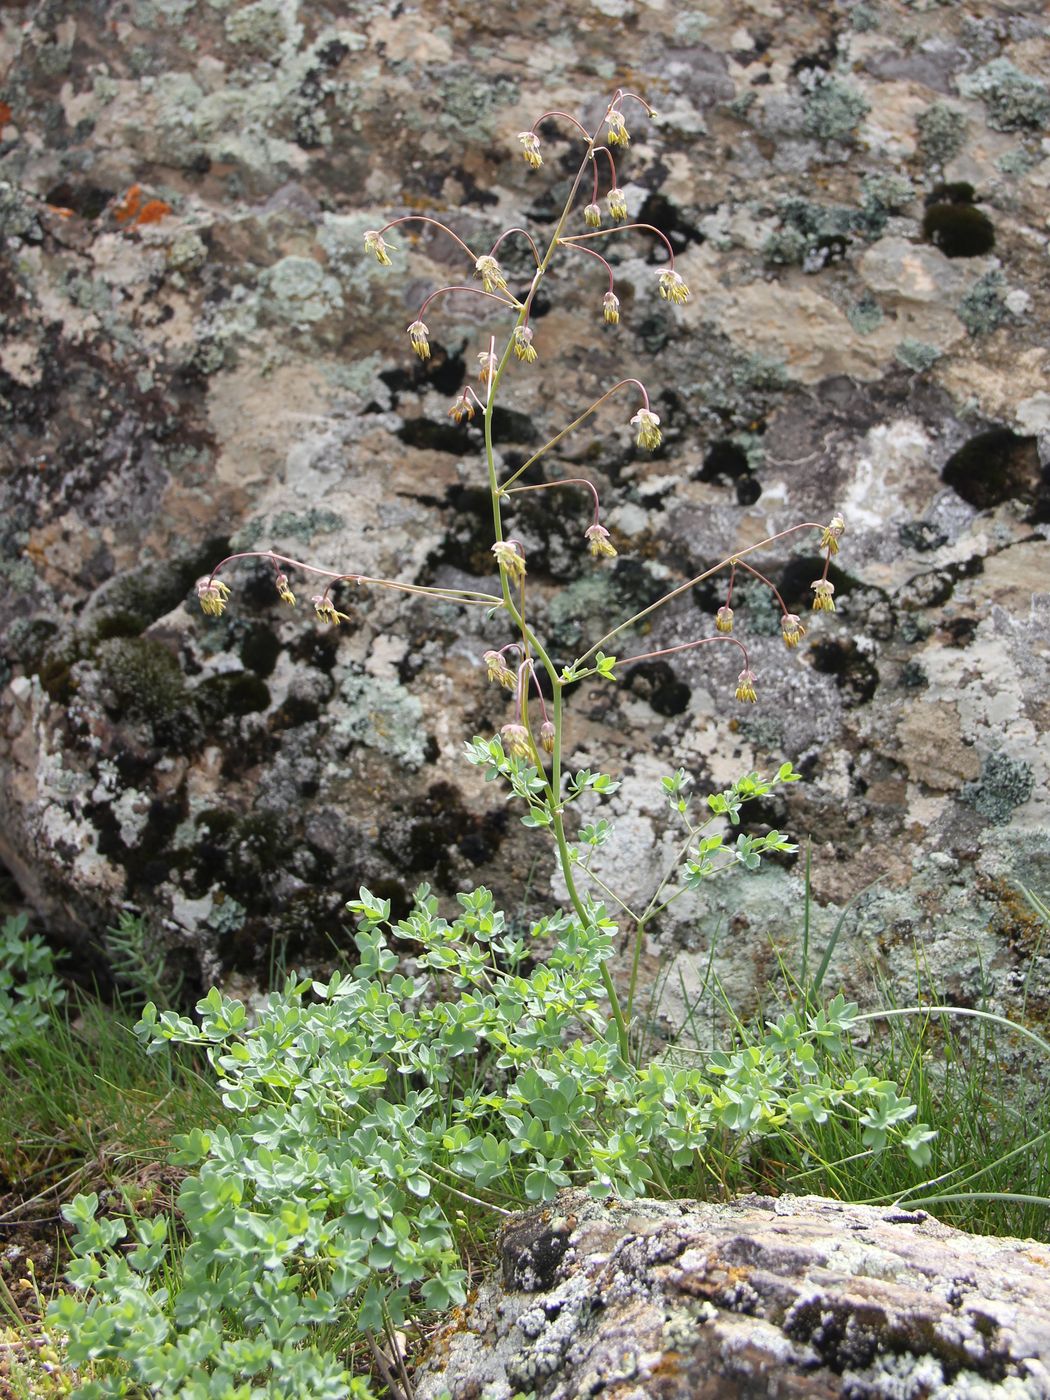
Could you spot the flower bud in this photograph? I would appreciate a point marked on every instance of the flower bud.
(592, 216)
(611, 308)
(547, 733)
(724, 620)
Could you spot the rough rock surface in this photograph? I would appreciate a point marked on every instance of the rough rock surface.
(197, 356)
(761, 1298)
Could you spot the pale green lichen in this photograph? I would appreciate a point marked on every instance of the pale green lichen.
(865, 316)
(227, 914)
(1014, 101)
(1017, 162)
(304, 525)
(301, 291)
(942, 131)
(832, 110)
(1005, 783)
(917, 355)
(382, 715)
(983, 308)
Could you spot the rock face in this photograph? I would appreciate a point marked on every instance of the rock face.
(198, 357)
(760, 1298)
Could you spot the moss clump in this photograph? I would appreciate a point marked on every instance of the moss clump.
(959, 230)
(143, 678)
(241, 693)
(1014, 101)
(1005, 783)
(942, 131)
(832, 110)
(995, 466)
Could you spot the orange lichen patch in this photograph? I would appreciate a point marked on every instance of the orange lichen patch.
(134, 211)
(60, 211)
(5, 113)
(153, 211)
(126, 211)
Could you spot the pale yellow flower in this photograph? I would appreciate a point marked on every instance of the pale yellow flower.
(530, 148)
(212, 594)
(648, 425)
(491, 274)
(617, 202)
(600, 544)
(745, 687)
(611, 308)
(377, 244)
(823, 595)
(419, 336)
(523, 346)
(673, 288)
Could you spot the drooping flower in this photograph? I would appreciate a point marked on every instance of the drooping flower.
(284, 592)
(377, 244)
(792, 630)
(212, 594)
(327, 611)
(745, 687)
(523, 346)
(420, 338)
(547, 736)
(724, 620)
(462, 408)
(530, 148)
(516, 740)
(673, 288)
(832, 533)
(498, 670)
(823, 595)
(486, 365)
(491, 274)
(648, 425)
(617, 202)
(592, 216)
(600, 544)
(511, 559)
(611, 308)
(618, 133)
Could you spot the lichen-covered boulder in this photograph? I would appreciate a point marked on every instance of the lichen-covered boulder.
(199, 357)
(759, 1298)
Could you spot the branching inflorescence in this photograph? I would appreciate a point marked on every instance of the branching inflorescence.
(523, 742)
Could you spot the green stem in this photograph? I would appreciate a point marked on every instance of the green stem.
(515, 612)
